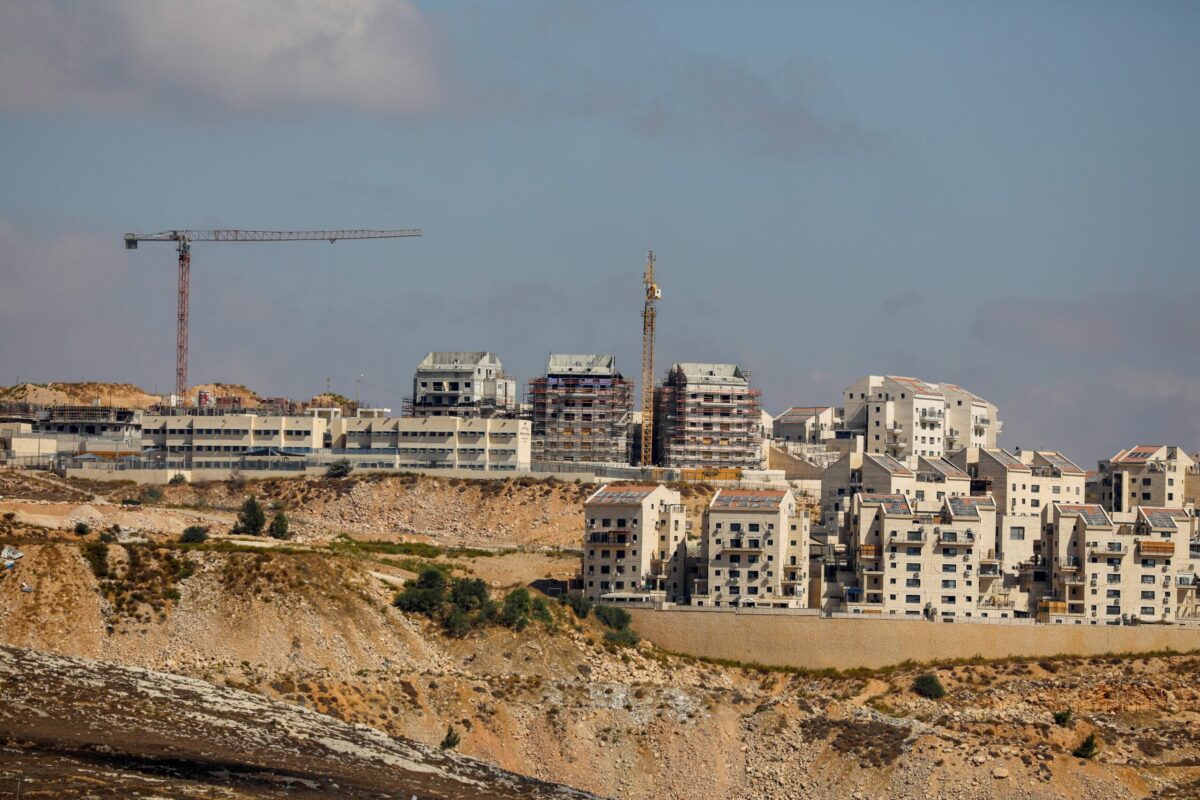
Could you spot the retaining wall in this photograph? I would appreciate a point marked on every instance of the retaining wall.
(795, 640)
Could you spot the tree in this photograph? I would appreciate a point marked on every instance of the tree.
(1062, 718)
(82, 528)
(339, 469)
(451, 740)
(625, 637)
(516, 609)
(457, 623)
(613, 617)
(1087, 748)
(279, 527)
(928, 685)
(469, 594)
(579, 604)
(251, 518)
(426, 595)
(194, 534)
(177, 479)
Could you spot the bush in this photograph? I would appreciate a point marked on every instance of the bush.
(540, 611)
(928, 685)
(469, 594)
(194, 534)
(251, 518)
(1062, 718)
(96, 554)
(177, 479)
(425, 595)
(625, 637)
(457, 623)
(451, 739)
(339, 469)
(279, 527)
(152, 494)
(108, 536)
(130, 501)
(579, 604)
(1087, 748)
(613, 617)
(82, 529)
(515, 614)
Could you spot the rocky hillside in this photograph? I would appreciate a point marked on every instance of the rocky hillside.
(74, 727)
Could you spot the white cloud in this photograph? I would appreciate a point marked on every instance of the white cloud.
(375, 55)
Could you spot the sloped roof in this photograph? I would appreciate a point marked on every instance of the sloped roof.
(890, 464)
(943, 466)
(1137, 455)
(1092, 514)
(1060, 462)
(1006, 459)
(968, 507)
(917, 385)
(892, 503)
(797, 413)
(618, 495)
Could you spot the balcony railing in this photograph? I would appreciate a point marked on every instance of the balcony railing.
(620, 540)
(956, 537)
(1149, 547)
(1109, 548)
(908, 537)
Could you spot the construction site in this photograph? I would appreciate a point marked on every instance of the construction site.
(582, 410)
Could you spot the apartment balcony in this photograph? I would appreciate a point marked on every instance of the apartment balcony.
(952, 435)
(612, 538)
(1161, 547)
(1073, 580)
(870, 568)
(996, 601)
(792, 579)
(743, 546)
(869, 551)
(907, 537)
(1187, 580)
(989, 558)
(989, 571)
(1108, 548)
(1069, 564)
(956, 537)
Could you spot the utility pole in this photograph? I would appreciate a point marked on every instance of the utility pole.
(653, 294)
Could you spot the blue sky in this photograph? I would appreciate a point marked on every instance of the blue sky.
(1000, 195)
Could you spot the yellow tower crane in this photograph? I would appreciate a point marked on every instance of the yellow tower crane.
(653, 294)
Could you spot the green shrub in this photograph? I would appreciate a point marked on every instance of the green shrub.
(194, 534)
(1062, 718)
(1087, 748)
(279, 527)
(579, 604)
(613, 617)
(469, 594)
(130, 501)
(540, 611)
(425, 595)
(625, 637)
(152, 494)
(251, 519)
(928, 685)
(517, 604)
(177, 479)
(339, 469)
(96, 554)
(108, 536)
(451, 740)
(82, 529)
(457, 623)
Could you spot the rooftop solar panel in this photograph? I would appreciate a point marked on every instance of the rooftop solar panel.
(1008, 459)
(749, 500)
(892, 503)
(622, 495)
(1159, 518)
(1060, 462)
(1091, 514)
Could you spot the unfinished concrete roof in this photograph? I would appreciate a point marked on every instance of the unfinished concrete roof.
(458, 358)
(748, 499)
(797, 413)
(581, 364)
(710, 373)
(622, 495)
(892, 503)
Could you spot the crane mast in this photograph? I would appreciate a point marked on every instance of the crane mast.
(653, 294)
(183, 240)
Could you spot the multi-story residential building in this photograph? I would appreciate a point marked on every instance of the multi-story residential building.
(805, 425)
(1024, 483)
(755, 551)
(634, 544)
(483, 444)
(1132, 566)
(1153, 475)
(921, 562)
(902, 417)
(707, 415)
(934, 479)
(582, 410)
(462, 384)
(218, 439)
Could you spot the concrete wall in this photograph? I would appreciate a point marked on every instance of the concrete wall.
(798, 640)
(163, 475)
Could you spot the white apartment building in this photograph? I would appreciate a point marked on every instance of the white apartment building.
(754, 551)
(805, 425)
(921, 560)
(634, 544)
(933, 479)
(1154, 475)
(462, 384)
(1024, 483)
(218, 438)
(903, 417)
(1135, 566)
(437, 442)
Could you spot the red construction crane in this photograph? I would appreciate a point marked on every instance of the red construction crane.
(183, 241)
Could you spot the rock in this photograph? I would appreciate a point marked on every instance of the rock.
(1000, 773)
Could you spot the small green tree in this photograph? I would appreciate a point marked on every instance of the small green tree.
(1062, 718)
(426, 595)
(279, 527)
(1087, 748)
(579, 604)
(82, 528)
(625, 637)
(152, 494)
(457, 623)
(251, 518)
(517, 605)
(194, 534)
(469, 594)
(451, 740)
(613, 617)
(177, 479)
(928, 685)
(540, 611)
(339, 469)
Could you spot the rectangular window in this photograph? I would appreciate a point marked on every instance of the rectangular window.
(1016, 534)
(912, 598)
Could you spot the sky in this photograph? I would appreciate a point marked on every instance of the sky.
(999, 195)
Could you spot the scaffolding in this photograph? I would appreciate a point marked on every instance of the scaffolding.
(581, 418)
(712, 425)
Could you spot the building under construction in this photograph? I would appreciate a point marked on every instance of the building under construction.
(582, 410)
(707, 416)
(461, 384)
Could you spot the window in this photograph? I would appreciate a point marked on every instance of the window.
(1016, 534)
(1148, 595)
(1114, 594)
(912, 598)
(912, 567)
(1147, 611)
(1148, 579)
(949, 568)
(949, 583)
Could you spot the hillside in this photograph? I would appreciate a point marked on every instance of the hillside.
(313, 625)
(133, 733)
(80, 394)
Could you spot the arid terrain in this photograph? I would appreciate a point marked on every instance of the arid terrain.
(310, 623)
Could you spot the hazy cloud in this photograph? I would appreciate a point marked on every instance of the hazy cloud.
(376, 55)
